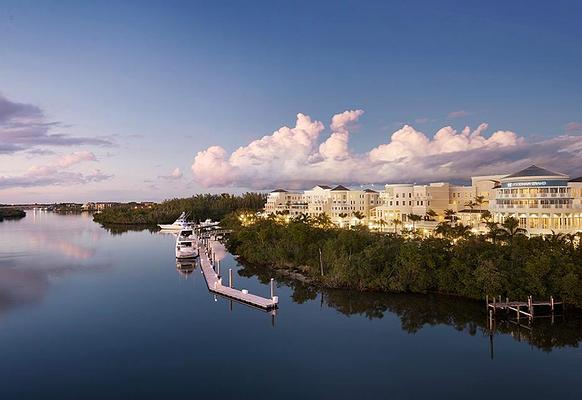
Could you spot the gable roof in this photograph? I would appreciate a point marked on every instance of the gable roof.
(370, 191)
(324, 186)
(339, 188)
(279, 191)
(533, 170)
(579, 179)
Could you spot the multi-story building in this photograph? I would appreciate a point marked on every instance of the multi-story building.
(281, 201)
(344, 206)
(541, 200)
(400, 201)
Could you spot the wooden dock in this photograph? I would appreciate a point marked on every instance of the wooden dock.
(211, 271)
(525, 308)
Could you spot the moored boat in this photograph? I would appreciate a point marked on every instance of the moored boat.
(185, 245)
(178, 225)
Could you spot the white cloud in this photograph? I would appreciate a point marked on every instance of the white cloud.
(295, 158)
(56, 173)
(175, 174)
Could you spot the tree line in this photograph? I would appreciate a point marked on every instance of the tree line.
(505, 261)
(199, 207)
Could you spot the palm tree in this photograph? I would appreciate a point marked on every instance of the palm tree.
(342, 216)
(302, 218)
(511, 229)
(359, 216)
(396, 222)
(322, 220)
(444, 229)
(381, 222)
(461, 231)
(494, 231)
(486, 216)
(450, 215)
(414, 218)
(430, 214)
(471, 204)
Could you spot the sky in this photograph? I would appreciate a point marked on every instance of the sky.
(145, 100)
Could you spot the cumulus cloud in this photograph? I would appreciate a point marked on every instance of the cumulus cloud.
(56, 173)
(24, 126)
(175, 174)
(297, 157)
(573, 127)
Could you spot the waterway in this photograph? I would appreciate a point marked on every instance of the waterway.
(92, 313)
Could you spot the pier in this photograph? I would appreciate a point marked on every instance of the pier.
(211, 270)
(521, 308)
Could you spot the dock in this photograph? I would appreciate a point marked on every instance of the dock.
(211, 270)
(525, 308)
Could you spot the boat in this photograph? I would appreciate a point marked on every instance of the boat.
(208, 224)
(185, 245)
(178, 225)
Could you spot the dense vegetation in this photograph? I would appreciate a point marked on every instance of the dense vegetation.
(417, 311)
(11, 213)
(199, 207)
(505, 262)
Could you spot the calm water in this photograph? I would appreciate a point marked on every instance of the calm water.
(90, 313)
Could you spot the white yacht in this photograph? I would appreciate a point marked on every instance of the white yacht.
(186, 245)
(178, 225)
(208, 223)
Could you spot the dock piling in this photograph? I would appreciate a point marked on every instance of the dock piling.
(230, 278)
(272, 287)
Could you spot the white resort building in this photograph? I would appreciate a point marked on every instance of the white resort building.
(543, 201)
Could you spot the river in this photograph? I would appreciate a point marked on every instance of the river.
(87, 312)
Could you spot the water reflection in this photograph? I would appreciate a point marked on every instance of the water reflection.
(419, 311)
(41, 247)
(185, 268)
(117, 230)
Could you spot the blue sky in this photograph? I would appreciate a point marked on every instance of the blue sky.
(160, 82)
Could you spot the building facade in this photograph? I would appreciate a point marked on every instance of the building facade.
(541, 200)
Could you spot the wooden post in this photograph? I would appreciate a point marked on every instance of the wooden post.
(272, 287)
(218, 268)
(552, 303)
(230, 277)
(320, 261)
(518, 308)
(490, 320)
(487, 301)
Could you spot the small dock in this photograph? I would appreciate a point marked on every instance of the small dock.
(521, 308)
(211, 270)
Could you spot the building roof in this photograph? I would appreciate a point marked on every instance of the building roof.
(340, 188)
(370, 191)
(579, 179)
(324, 186)
(533, 170)
(279, 191)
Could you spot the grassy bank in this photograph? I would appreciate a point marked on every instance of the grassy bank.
(505, 263)
(200, 207)
(11, 213)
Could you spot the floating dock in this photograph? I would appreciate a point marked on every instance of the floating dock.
(211, 271)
